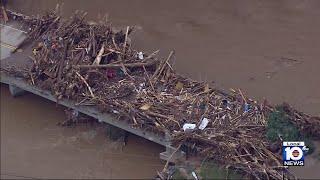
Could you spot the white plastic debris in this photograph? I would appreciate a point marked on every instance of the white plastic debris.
(140, 55)
(204, 123)
(115, 111)
(142, 84)
(194, 175)
(141, 87)
(188, 126)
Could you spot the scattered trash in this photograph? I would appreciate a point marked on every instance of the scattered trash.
(246, 107)
(34, 51)
(140, 55)
(46, 41)
(204, 123)
(225, 103)
(187, 127)
(120, 73)
(194, 175)
(202, 106)
(141, 87)
(179, 86)
(145, 107)
(111, 73)
(115, 111)
(179, 98)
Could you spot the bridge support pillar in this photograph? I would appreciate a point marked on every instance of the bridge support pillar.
(168, 154)
(117, 134)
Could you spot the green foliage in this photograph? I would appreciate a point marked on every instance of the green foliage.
(279, 125)
(178, 175)
(213, 171)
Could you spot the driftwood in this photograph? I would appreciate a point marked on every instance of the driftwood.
(85, 82)
(99, 56)
(129, 65)
(161, 67)
(4, 14)
(149, 94)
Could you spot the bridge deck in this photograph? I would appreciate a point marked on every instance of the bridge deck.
(10, 39)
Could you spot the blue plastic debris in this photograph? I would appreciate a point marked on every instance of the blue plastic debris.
(46, 41)
(120, 73)
(246, 107)
(224, 102)
(202, 106)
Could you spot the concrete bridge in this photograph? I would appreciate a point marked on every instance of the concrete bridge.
(11, 37)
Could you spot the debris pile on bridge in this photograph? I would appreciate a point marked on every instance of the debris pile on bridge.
(95, 65)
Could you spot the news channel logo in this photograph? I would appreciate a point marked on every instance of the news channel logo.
(293, 153)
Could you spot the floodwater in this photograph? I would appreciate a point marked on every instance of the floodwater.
(33, 146)
(267, 48)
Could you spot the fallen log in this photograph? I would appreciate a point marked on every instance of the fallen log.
(129, 65)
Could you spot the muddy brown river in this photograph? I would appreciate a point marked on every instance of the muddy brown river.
(270, 49)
